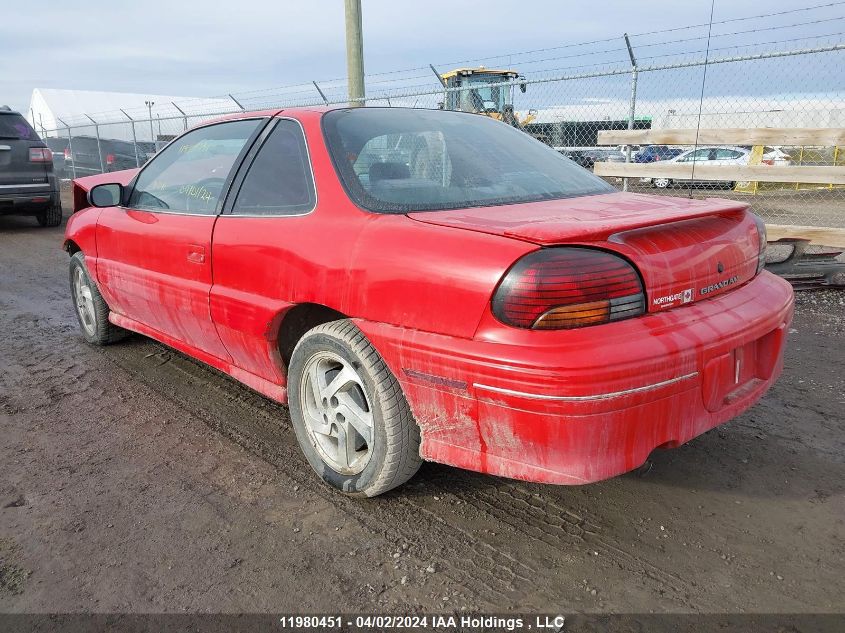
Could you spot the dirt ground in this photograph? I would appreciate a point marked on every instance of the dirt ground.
(133, 479)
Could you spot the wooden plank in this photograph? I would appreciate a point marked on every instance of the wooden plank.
(825, 175)
(819, 137)
(821, 235)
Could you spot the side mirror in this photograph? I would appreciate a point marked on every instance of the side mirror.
(523, 87)
(107, 195)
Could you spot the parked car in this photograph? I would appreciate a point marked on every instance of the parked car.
(146, 150)
(653, 153)
(58, 147)
(776, 156)
(27, 182)
(83, 159)
(719, 156)
(587, 158)
(514, 315)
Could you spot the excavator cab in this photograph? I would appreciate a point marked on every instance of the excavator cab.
(481, 95)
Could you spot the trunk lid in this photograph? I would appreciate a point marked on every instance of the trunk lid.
(686, 250)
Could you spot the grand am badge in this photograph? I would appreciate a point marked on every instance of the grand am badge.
(677, 298)
(718, 286)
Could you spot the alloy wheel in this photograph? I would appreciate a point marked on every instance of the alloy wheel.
(337, 413)
(84, 300)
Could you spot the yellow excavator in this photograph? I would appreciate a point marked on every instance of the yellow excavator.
(487, 98)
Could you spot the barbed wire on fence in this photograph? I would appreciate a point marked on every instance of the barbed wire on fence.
(787, 80)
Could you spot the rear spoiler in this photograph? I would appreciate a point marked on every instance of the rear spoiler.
(81, 186)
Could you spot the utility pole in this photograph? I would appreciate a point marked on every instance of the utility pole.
(354, 53)
(633, 108)
(150, 105)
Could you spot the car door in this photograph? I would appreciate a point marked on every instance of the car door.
(154, 254)
(259, 248)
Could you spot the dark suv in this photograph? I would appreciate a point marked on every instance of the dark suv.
(27, 183)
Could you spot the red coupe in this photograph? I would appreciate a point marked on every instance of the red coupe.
(430, 285)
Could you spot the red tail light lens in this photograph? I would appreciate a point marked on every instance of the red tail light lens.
(67, 153)
(110, 159)
(568, 287)
(40, 155)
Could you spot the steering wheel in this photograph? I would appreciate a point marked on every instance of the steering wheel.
(202, 195)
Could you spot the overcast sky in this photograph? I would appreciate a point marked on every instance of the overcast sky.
(205, 48)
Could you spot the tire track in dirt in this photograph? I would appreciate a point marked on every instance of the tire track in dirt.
(492, 570)
(264, 428)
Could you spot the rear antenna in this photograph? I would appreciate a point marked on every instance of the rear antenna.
(701, 98)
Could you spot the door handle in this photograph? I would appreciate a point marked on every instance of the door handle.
(196, 254)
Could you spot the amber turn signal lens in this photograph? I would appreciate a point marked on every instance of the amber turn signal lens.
(591, 313)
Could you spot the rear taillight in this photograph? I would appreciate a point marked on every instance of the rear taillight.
(762, 237)
(568, 287)
(110, 159)
(40, 155)
(67, 153)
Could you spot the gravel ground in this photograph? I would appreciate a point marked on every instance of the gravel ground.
(133, 479)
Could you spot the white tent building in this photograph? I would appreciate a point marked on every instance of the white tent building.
(51, 111)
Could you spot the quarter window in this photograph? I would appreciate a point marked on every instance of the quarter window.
(189, 175)
(279, 180)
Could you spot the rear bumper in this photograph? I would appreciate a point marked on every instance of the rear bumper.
(578, 406)
(28, 200)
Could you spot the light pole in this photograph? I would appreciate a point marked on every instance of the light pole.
(150, 105)
(354, 53)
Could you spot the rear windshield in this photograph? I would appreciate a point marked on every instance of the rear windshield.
(14, 126)
(394, 160)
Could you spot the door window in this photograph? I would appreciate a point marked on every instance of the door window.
(189, 175)
(279, 180)
(727, 154)
(697, 156)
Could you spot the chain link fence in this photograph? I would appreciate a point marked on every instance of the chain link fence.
(564, 97)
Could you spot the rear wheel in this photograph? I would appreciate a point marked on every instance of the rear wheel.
(661, 183)
(92, 312)
(350, 416)
(52, 216)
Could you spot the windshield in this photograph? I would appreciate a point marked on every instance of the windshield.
(394, 160)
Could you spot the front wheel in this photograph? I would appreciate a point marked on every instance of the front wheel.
(661, 183)
(350, 416)
(92, 312)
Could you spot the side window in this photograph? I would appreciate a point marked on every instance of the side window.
(189, 174)
(697, 156)
(727, 153)
(279, 179)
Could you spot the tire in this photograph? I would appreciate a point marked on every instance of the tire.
(52, 216)
(661, 183)
(359, 400)
(91, 309)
